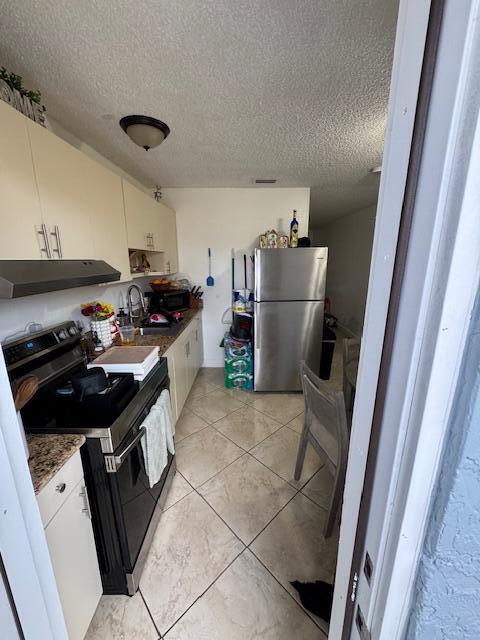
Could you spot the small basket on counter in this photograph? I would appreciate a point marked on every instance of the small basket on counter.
(163, 284)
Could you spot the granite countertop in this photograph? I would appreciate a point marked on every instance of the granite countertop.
(164, 342)
(48, 454)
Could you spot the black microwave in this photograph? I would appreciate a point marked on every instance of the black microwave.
(169, 300)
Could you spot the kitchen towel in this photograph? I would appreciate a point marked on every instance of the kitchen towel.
(158, 439)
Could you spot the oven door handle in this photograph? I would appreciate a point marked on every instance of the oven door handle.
(120, 458)
(114, 462)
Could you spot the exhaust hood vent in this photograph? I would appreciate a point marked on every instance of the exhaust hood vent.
(265, 181)
(20, 278)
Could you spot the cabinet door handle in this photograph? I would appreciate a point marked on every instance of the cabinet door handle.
(56, 234)
(150, 243)
(43, 232)
(168, 266)
(86, 510)
(196, 335)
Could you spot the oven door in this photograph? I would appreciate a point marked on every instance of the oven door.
(134, 502)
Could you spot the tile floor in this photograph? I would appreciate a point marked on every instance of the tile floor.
(236, 527)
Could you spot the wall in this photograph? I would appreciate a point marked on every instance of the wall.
(447, 592)
(349, 241)
(57, 306)
(224, 219)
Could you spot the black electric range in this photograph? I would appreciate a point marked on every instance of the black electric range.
(124, 509)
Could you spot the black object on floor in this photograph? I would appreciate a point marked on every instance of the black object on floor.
(317, 597)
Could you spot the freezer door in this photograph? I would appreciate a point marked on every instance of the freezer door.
(285, 334)
(290, 274)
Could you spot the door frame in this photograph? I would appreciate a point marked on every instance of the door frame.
(412, 25)
(24, 551)
(452, 277)
(444, 304)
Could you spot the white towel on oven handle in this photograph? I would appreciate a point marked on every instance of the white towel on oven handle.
(158, 438)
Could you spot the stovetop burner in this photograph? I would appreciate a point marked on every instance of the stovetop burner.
(98, 409)
(67, 390)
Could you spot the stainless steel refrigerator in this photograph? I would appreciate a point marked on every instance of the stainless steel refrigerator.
(289, 307)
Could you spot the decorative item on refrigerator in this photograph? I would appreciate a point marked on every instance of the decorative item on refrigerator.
(294, 231)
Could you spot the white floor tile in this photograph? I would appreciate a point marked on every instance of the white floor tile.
(214, 406)
(201, 388)
(191, 547)
(187, 424)
(320, 487)
(245, 603)
(247, 496)
(297, 423)
(212, 375)
(279, 453)
(121, 617)
(282, 407)
(179, 489)
(247, 426)
(204, 454)
(292, 547)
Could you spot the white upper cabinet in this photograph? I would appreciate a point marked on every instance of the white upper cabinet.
(139, 217)
(151, 226)
(58, 203)
(165, 238)
(20, 213)
(64, 177)
(108, 219)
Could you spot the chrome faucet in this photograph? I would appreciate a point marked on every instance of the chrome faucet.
(131, 306)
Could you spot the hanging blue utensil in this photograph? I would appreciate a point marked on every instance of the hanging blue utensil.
(210, 280)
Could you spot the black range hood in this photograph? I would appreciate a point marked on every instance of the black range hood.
(28, 277)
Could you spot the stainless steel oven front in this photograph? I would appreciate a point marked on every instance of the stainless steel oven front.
(122, 500)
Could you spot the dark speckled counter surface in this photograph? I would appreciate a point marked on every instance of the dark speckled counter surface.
(164, 342)
(48, 454)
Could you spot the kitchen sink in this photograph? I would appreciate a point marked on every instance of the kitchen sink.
(171, 331)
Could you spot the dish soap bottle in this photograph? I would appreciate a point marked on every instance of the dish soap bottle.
(294, 231)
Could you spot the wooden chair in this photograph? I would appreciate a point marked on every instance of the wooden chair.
(350, 356)
(325, 428)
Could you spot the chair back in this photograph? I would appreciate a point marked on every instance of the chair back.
(325, 416)
(351, 353)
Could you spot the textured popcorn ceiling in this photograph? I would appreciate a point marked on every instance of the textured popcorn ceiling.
(291, 89)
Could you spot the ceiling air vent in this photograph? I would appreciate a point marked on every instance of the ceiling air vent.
(267, 181)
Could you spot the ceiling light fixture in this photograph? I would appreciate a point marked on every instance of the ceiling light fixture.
(145, 131)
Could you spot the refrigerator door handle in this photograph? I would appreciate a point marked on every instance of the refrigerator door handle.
(257, 276)
(256, 327)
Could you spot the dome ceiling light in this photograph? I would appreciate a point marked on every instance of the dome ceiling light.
(145, 131)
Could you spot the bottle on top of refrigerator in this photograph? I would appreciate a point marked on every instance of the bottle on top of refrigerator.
(294, 230)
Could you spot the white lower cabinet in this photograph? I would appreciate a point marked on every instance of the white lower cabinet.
(184, 357)
(72, 549)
